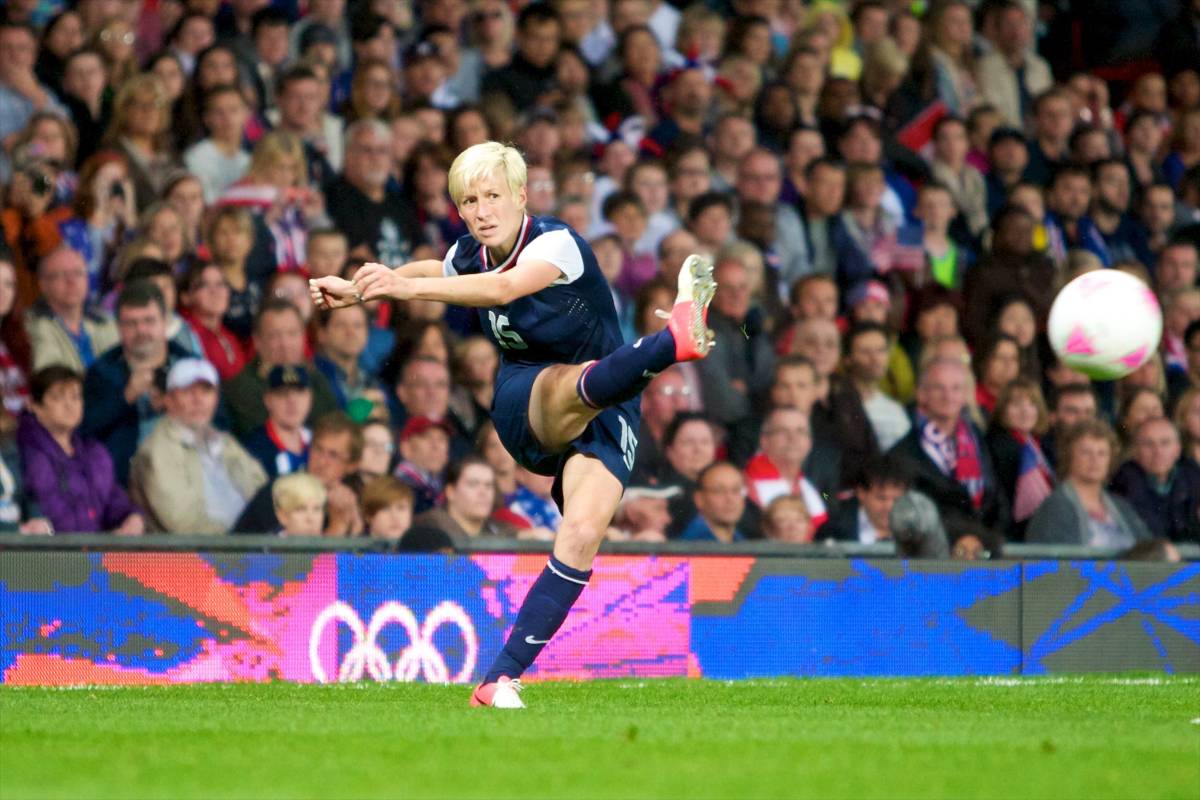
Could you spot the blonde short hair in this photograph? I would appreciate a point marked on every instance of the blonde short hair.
(483, 160)
(289, 492)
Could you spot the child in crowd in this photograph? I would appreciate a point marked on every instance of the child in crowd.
(230, 238)
(387, 507)
(299, 504)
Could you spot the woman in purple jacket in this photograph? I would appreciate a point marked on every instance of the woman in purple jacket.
(71, 477)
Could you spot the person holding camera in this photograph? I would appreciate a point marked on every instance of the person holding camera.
(103, 211)
(30, 219)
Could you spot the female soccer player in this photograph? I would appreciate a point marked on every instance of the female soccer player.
(565, 401)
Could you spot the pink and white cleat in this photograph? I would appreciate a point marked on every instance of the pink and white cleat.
(505, 692)
(688, 320)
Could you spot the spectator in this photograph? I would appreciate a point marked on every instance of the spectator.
(15, 355)
(140, 131)
(1177, 267)
(62, 328)
(1162, 487)
(361, 205)
(867, 516)
(104, 212)
(720, 500)
(997, 364)
(1137, 405)
(837, 413)
(1187, 421)
(1068, 225)
(530, 73)
(1020, 418)
(281, 444)
(1073, 404)
(333, 457)
(425, 454)
(1080, 511)
(1011, 75)
(777, 469)
(231, 238)
(665, 396)
(278, 340)
(84, 93)
(189, 476)
(831, 249)
(743, 358)
(950, 169)
(1012, 268)
(530, 506)
(204, 296)
(124, 395)
(476, 362)
(301, 95)
(219, 160)
(19, 512)
(379, 448)
(946, 453)
(331, 16)
(1110, 209)
(1008, 155)
(342, 340)
(867, 351)
(643, 514)
(786, 519)
(470, 498)
(276, 190)
(70, 478)
(299, 501)
(159, 273)
(21, 93)
(1052, 124)
(945, 260)
(424, 391)
(387, 508)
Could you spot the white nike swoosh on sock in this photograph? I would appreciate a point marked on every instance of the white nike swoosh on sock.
(531, 640)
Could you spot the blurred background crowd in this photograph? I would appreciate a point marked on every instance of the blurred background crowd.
(892, 193)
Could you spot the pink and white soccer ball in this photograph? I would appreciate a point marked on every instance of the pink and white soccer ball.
(1105, 324)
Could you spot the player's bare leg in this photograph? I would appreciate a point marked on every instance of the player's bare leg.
(590, 497)
(566, 397)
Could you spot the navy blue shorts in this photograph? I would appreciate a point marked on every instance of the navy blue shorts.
(610, 437)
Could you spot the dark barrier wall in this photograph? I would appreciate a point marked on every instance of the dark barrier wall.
(127, 617)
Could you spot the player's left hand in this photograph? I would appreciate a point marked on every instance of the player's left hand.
(333, 292)
(376, 280)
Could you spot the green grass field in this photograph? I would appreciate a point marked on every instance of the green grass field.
(1043, 738)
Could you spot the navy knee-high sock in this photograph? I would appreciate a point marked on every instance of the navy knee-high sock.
(544, 609)
(624, 373)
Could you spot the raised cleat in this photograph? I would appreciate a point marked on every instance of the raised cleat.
(688, 320)
(504, 692)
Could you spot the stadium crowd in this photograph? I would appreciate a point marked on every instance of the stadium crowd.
(892, 193)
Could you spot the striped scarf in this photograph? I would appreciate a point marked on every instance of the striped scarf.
(1035, 479)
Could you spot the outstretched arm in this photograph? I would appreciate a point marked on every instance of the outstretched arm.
(482, 290)
(335, 292)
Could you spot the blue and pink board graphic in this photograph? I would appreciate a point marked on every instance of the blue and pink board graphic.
(158, 618)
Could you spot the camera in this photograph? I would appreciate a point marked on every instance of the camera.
(117, 190)
(39, 183)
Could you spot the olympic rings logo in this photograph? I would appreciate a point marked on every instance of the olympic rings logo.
(420, 657)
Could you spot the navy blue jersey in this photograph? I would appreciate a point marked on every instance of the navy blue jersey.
(569, 322)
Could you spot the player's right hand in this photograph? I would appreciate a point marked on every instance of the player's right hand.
(333, 292)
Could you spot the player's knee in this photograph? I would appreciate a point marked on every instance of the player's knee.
(579, 533)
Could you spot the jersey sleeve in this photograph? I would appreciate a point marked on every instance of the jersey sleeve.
(558, 248)
(448, 269)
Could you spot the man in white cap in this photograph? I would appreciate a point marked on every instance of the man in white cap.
(187, 475)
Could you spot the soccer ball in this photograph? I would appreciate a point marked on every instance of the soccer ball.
(1105, 324)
